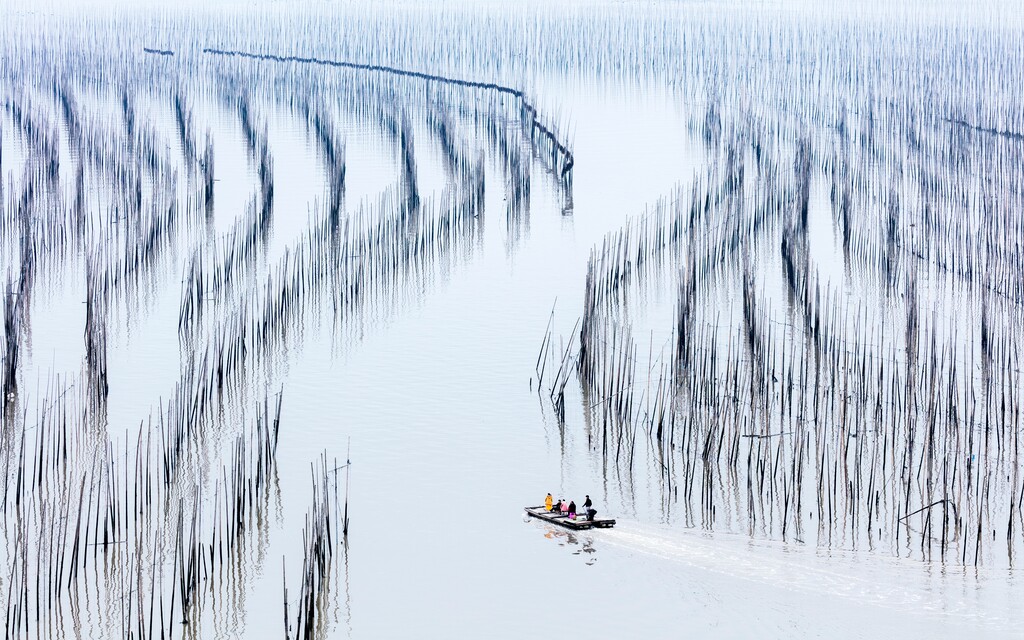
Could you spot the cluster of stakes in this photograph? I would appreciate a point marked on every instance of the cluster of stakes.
(840, 364)
(156, 525)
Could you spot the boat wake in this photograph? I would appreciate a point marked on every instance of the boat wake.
(977, 598)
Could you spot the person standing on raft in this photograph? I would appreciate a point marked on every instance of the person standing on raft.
(548, 502)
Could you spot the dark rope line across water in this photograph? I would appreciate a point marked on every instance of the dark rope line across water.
(516, 93)
(1012, 135)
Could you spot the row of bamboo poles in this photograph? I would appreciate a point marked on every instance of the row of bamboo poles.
(159, 528)
(877, 407)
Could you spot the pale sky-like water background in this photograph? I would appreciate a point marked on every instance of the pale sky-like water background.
(435, 392)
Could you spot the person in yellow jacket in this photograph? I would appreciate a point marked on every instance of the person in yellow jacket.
(548, 501)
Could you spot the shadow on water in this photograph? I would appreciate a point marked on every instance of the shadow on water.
(576, 544)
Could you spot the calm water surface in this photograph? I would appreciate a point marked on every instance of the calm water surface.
(434, 392)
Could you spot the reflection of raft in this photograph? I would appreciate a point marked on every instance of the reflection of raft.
(564, 521)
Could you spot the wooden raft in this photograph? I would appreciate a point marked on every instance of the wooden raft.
(564, 521)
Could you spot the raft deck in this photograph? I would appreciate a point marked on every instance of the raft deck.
(578, 524)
